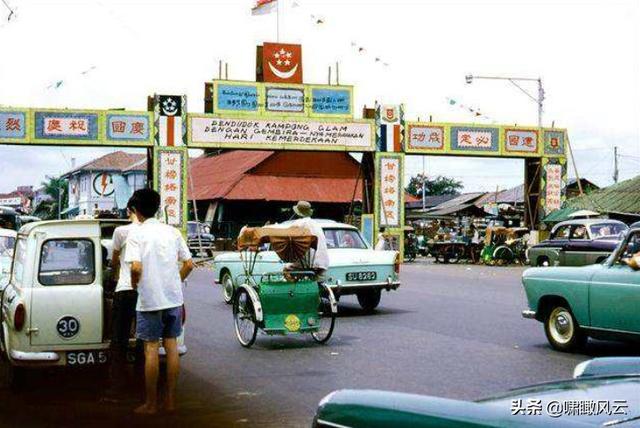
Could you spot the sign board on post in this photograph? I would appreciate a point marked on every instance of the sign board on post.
(236, 97)
(77, 126)
(13, 124)
(521, 141)
(390, 191)
(302, 134)
(170, 181)
(553, 184)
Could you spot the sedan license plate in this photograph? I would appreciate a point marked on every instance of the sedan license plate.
(86, 358)
(361, 276)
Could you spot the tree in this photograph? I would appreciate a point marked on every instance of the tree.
(48, 209)
(439, 185)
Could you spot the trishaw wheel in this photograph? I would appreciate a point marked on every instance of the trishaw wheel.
(326, 318)
(244, 319)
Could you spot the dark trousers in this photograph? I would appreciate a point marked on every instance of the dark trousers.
(124, 313)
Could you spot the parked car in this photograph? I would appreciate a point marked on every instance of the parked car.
(56, 309)
(354, 267)
(200, 239)
(578, 243)
(7, 243)
(610, 381)
(600, 300)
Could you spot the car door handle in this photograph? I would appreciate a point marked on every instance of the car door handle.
(34, 330)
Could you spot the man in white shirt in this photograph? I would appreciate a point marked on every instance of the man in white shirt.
(160, 261)
(124, 303)
(321, 255)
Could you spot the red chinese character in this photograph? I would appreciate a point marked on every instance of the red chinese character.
(54, 125)
(170, 187)
(528, 141)
(434, 137)
(137, 128)
(465, 138)
(554, 142)
(13, 124)
(481, 140)
(391, 166)
(389, 202)
(389, 178)
(118, 126)
(170, 161)
(419, 137)
(389, 190)
(170, 200)
(171, 212)
(78, 125)
(171, 174)
(514, 140)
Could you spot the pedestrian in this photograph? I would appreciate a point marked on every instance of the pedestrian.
(382, 243)
(124, 305)
(160, 262)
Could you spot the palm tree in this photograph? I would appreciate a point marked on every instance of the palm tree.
(56, 188)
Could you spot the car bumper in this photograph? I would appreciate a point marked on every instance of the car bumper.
(347, 289)
(529, 314)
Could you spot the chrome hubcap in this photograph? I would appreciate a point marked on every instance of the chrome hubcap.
(561, 325)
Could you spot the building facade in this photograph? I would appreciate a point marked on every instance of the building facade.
(105, 184)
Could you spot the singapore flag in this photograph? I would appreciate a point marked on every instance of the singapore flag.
(264, 7)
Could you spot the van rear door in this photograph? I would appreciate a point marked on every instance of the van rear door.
(66, 299)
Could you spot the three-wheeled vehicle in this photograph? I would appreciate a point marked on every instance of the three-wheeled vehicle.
(503, 245)
(291, 301)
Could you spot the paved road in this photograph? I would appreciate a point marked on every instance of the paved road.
(452, 331)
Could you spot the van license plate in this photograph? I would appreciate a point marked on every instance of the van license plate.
(361, 276)
(86, 358)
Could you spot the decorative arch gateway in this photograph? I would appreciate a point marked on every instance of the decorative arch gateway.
(288, 115)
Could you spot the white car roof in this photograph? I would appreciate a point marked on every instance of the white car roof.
(327, 224)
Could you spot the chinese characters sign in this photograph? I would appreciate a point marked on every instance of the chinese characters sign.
(236, 97)
(331, 101)
(474, 139)
(170, 185)
(553, 187)
(287, 100)
(521, 141)
(61, 126)
(554, 143)
(390, 186)
(280, 133)
(127, 127)
(426, 137)
(12, 124)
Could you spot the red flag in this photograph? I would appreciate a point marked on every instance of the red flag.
(282, 63)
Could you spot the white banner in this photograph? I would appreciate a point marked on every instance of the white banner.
(170, 180)
(553, 191)
(276, 131)
(390, 192)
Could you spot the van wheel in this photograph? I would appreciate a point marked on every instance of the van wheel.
(562, 330)
(369, 299)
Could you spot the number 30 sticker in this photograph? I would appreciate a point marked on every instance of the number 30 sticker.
(68, 327)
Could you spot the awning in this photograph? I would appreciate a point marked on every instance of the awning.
(559, 215)
(70, 212)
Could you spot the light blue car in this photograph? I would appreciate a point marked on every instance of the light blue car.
(355, 268)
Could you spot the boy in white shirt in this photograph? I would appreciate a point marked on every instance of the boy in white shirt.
(160, 261)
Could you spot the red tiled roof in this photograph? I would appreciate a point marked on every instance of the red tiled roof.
(259, 175)
(116, 161)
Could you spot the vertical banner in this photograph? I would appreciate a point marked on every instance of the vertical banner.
(170, 113)
(553, 184)
(170, 180)
(389, 127)
(389, 195)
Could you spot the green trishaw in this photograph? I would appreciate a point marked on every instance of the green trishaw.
(286, 302)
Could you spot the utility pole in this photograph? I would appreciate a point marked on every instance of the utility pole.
(424, 198)
(615, 164)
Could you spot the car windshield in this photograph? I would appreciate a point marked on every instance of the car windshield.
(6, 245)
(607, 229)
(344, 238)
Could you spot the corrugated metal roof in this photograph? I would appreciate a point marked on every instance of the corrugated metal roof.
(623, 197)
(515, 195)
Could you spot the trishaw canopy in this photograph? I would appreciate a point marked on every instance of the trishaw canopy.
(290, 243)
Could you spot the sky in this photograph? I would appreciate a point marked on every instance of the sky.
(112, 54)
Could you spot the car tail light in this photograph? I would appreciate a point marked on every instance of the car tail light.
(19, 317)
(184, 314)
(396, 265)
